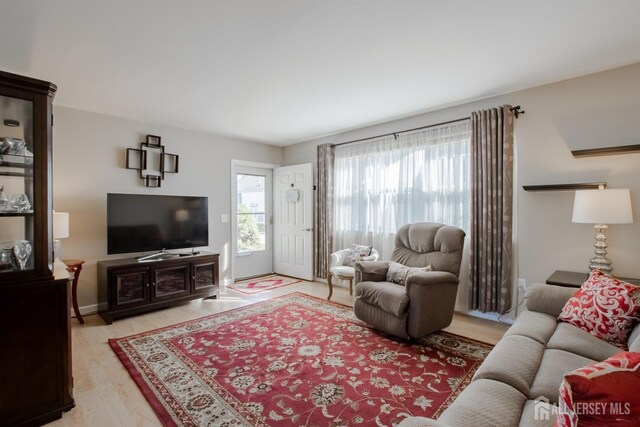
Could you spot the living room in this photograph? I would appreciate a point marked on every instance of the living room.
(281, 88)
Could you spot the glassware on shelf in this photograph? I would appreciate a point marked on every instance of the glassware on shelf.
(4, 199)
(6, 258)
(14, 150)
(19, 202)
(14, 146)
(6, 145)
(22, 251)
(19, 147)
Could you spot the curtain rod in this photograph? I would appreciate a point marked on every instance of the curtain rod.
(516, 111)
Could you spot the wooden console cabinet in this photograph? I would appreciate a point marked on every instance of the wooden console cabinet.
(127, 286)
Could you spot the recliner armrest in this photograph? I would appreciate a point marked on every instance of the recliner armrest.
(426, 278)
(432, 298)
(549, 299)
(371, 271)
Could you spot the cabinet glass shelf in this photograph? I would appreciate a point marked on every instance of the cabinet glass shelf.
(15, 214)
(16, 161)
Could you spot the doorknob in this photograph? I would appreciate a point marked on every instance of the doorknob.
(307, 229)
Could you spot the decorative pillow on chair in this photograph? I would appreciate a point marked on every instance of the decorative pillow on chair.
(605, 307)
(356, 253)
(399, 273)
(604, 393)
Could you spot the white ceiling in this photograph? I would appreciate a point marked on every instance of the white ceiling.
(285, 71)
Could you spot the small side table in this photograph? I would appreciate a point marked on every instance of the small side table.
(75, 266)
(573, 279)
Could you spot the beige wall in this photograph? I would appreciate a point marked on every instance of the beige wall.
(89, 162)
(601, 109)
(591, 111)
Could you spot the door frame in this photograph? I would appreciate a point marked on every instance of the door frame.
(235, 164)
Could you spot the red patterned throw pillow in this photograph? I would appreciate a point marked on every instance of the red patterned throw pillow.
(605, 307)
(602, 394)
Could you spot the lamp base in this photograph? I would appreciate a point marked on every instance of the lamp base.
(57, 249)
(600, 261)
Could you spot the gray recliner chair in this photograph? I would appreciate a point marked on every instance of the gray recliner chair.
(425, 303)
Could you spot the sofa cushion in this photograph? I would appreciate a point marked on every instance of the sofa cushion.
(389, 297)
(420, 422)
(605, 307)
(569, 338)
(554, 364)
(611, 386)
(514, 361)
(535, 325)
(485, 403)
(634, 339)
(538, 413)
(548, 299)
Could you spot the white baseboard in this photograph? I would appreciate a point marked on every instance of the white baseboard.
(505, 318)
(85, 310)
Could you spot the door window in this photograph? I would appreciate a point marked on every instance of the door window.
(251, 213)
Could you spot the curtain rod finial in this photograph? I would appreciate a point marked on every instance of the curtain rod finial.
(516, 111)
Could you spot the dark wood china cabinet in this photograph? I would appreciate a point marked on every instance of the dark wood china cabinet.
(35, 342)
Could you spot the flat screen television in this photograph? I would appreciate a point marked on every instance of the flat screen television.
(140, 222)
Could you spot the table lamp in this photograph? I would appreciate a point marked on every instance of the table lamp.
(610, 206)
(60, 231)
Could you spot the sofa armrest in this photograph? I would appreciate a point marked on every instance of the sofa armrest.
(549, 299)
(371, 271)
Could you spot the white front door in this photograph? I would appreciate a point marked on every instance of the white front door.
(252, 221)
(293, 229)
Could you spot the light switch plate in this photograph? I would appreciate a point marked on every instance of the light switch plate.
(224, 218)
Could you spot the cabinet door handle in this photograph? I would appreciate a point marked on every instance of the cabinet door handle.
(193, 278)
(147, 285)
(153, 284)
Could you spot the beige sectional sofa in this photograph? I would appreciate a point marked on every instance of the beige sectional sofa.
(526, 367)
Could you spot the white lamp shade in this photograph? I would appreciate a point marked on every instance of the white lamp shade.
(60, 225)
(607, 206)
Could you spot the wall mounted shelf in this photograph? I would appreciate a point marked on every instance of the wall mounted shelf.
(607, 151)
(565, 187)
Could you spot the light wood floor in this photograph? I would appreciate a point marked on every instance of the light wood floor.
(104, 393)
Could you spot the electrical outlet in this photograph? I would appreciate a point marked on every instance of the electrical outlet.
(522, 285)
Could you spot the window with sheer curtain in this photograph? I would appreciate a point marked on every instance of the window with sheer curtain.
(384, 183)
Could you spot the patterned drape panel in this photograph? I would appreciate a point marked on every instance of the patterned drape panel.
(491, 209)
(323, 214)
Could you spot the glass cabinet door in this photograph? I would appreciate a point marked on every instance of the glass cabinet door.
(17, 192)
(170, 282)
(204, 275)
(130, 287)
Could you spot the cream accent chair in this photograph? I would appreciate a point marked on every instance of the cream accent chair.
(424, 304)
(344, 272)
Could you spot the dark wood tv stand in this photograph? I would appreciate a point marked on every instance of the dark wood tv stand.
(128, 286)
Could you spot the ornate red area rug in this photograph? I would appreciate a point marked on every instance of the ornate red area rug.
(294, 361)
(260, 284)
